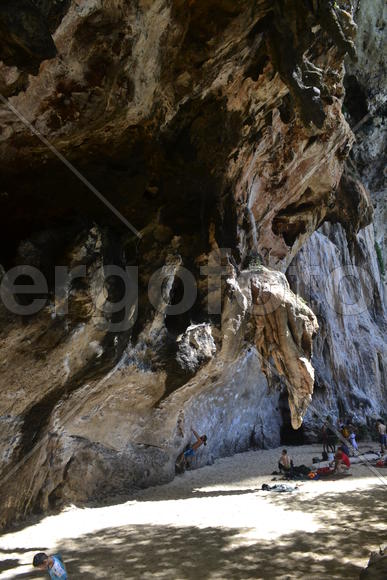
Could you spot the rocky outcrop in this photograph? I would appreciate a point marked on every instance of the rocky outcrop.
(225, 151)
(283, 331)
(365, 105)
(342, 285)
(293, 22)
(26, 39)
(340, 272)
(82, 401)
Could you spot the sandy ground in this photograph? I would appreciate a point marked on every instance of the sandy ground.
(216, 523)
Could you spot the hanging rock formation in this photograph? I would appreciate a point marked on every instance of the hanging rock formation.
(216, 129)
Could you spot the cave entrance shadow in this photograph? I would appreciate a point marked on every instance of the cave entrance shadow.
(289, 436)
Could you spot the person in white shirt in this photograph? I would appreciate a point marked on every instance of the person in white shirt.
(382, 435)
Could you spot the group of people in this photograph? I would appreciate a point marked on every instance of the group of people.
(340, 463)
(54, 564)
(329, 436)
(349, 444)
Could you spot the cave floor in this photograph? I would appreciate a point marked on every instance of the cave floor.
(215, 523)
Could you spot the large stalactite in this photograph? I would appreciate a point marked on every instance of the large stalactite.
(216, 129)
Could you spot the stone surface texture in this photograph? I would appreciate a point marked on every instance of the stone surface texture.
(217, 129)
(350, 348)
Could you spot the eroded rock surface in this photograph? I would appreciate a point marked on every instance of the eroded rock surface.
(283, 329)
(226, 158)
(340, 273)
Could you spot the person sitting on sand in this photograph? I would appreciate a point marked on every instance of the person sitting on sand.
(382, 435)
(52, 564)
(192, 449)
(342, 462)
(285, 464)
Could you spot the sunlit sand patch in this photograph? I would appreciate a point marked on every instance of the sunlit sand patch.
(226, 497)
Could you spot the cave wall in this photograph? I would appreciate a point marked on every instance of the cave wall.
(344, 289)
(350, 348)
(216, 128)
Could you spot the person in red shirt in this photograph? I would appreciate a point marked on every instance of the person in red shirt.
(342, 462)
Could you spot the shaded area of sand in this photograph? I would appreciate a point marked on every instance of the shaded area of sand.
(215, 523)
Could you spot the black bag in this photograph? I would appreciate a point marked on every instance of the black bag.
(301, 470)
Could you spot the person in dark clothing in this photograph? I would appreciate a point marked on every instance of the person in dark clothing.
(331, 437)
(345, 449)
(324, 437)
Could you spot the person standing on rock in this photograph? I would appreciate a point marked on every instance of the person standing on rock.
(382, 435)
(52, 564)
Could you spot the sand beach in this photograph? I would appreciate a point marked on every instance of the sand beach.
(216, 523)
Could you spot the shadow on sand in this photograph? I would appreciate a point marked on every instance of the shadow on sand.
(350, 522)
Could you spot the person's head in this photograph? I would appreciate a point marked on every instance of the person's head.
(204, 439)
(339, 453)
(284, 452)
(380, 421)
(40, 561)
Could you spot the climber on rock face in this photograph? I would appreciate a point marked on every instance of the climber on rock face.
(191, 450)
(200, 440)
